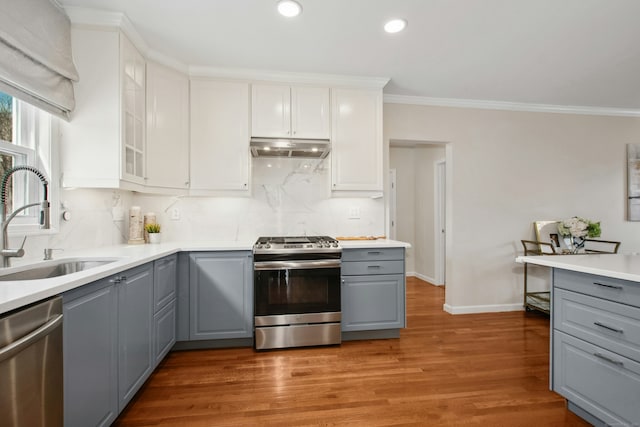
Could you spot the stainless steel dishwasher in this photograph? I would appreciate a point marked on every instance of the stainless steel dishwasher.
(31, 387)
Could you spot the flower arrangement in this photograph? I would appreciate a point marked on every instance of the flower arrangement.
(578, 229)
(152, 228)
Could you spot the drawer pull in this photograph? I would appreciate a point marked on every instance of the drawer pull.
(608, 359)
(604, 285)
(611, 328)
(374, 252)
(373, 266)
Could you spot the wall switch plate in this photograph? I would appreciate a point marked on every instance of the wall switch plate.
(354, 213)
(117, 213)
(175, 214)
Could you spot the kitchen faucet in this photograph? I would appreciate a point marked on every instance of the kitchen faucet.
(5, 253)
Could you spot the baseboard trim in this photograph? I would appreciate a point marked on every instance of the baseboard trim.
(431, 280)
(470, 309)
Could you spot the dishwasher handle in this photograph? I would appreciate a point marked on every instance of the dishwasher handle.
(18, 345)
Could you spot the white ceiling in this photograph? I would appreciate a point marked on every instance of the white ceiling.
(552, 52)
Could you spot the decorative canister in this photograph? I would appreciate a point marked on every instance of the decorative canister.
(136, 236)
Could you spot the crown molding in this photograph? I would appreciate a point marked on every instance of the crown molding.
(510, 106)
(333, 80)
(103, 18)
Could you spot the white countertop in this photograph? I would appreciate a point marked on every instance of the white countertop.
(379, 243)
(619, 266)
(16, 294)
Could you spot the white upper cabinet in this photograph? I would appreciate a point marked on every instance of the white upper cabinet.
(279, 111)
(133, 111)
(103, 145)
(356, 142)
(167, 128)
(219, 135)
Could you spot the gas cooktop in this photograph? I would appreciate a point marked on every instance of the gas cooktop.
(296, 244)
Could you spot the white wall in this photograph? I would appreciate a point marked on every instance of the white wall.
(508, 169)
(403, 161)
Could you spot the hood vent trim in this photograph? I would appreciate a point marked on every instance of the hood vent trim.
(289, 147)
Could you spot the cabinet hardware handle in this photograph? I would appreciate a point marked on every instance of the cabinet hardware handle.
(123, 278)
(611, 328)
(115, 280)
(374, 253)
(604, 285)
(373, 266)
(608, 359)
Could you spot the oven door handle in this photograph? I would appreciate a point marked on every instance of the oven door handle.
(295, 265)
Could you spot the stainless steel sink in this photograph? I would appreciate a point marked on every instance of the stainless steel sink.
(55, 268)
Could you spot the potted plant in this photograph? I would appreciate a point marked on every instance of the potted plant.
(153, 230)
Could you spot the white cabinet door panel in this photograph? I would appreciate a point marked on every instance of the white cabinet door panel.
(219, 135)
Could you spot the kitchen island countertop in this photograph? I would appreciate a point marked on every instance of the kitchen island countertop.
(618, 266)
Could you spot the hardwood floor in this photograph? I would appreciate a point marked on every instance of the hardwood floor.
(464, 370)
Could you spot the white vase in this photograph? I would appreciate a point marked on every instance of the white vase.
(154, 237)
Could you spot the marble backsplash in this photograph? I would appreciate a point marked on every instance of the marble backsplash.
(288, 197)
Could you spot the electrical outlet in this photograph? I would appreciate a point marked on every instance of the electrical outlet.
(117, 213)
(175, 214)
(354, 213)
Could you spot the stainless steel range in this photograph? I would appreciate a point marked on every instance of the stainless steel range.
(296, 291)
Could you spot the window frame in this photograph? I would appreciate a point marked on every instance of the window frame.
(33, 141)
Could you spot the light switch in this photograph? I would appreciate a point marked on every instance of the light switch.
(354, 213)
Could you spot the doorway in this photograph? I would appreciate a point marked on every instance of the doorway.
(417, 206)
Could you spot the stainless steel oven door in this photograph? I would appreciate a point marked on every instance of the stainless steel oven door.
(296, 287)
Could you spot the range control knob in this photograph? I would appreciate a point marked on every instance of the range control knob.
(258, 246)
(335, 244)
(267, 246)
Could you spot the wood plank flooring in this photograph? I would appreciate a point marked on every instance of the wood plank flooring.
(464, 370)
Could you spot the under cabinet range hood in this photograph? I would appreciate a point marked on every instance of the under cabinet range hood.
(284, 147)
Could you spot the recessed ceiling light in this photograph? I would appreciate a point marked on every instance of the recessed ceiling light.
(395, 25)
(289, 8)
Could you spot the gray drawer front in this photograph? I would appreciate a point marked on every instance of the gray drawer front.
(359, 268)
(599, 381)
(617, 290)
(373, 254)
(613, 326)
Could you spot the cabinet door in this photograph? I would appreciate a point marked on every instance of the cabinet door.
(373, 302)
(219, 135)
(221, 295)
(90, 356)
(167, 153)
(271, 111)
(310, 113)
(601, 382)
(133, 112)
(164, 281)
(164, 331)
(135, 331)
(356, 143)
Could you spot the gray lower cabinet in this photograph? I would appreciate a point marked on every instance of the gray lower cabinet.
(220, 295)
(373, 289)
(90, 355)
(116, 330)
(596, 346)
(164, 297)
(135, 331)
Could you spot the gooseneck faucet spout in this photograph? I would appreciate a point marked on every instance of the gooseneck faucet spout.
(45, 208)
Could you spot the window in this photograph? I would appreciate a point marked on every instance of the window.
(25, 139)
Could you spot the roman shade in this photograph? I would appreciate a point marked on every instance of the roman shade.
(35, 54)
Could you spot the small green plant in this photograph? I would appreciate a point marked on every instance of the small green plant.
(152, 228)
